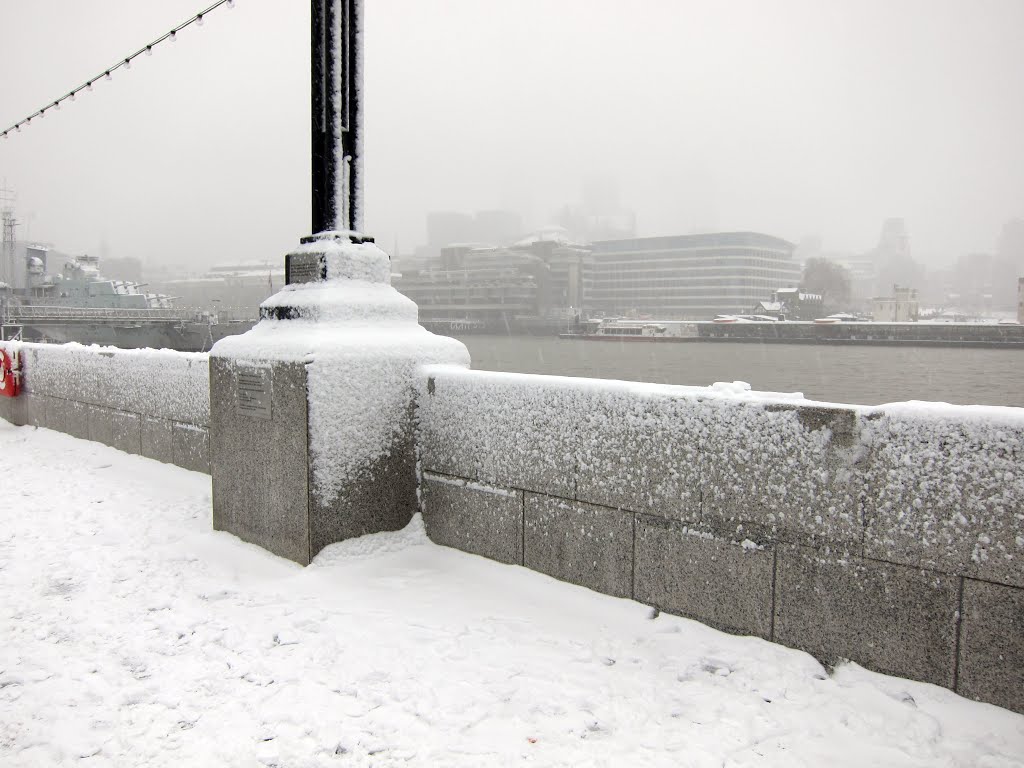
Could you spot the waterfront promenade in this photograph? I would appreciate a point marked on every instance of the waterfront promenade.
(135, 635)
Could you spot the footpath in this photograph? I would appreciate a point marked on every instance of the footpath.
(132, 634)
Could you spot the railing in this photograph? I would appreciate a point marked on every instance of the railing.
(27, 314)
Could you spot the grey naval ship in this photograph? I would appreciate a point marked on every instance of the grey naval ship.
(79, 304)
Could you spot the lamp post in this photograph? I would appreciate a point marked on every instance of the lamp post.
(312, 410)
(336, 101)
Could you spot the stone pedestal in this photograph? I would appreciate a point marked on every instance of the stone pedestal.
(311, 411)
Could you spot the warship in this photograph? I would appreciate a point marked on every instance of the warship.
(79, 304)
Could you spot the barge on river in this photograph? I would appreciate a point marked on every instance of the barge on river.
(737, 329)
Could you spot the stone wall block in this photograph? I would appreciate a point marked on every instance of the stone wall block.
(483, 520)
(702, 575)
(101, 424)
(20, 410)
(156, 439)
(34, 409)
(581, 543)
(382, 497)
(269, 507)
(190, 447)
(890, 618)
(76, 419)
(947, 493)
(501, 429)
(126, 432)
(992, 644)
(641, 452)
(790, 470)
(56, 411)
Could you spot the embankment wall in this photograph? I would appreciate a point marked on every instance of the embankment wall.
(155, 403)
(893, 537)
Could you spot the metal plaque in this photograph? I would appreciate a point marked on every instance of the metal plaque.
(304, 268)
(253, 392)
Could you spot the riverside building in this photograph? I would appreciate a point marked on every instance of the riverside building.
(693, 277)
(546, 281)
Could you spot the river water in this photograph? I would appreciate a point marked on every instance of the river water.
(862, 375)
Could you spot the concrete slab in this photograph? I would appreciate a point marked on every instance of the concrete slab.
(659, 434)
(694, 572)
(889, 618)
(190, 447)
(482, 519)
(156, 439)
(581, 543)
(126, 432)
(992, 644)
(790, 471)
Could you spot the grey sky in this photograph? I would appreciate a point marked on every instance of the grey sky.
(791, 117)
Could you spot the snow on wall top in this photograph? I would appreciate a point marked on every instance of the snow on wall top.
(923, 484)
(946, 490)
(160, 383)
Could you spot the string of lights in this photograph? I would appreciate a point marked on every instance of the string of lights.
(124, 63)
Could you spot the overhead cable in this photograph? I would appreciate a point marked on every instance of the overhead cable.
(124, 63)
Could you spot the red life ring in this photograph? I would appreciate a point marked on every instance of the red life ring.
(10, 380)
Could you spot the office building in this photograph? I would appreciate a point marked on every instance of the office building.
(693, 277)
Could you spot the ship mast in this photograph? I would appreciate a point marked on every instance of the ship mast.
(7, 273)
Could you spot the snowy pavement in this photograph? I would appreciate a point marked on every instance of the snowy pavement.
(131, 634)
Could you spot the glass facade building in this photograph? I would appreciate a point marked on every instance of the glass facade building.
(688, 277)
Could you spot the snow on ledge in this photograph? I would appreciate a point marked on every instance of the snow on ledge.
(161, 383)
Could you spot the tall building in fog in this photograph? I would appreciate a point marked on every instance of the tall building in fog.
(688, 276)
(893, 259)
(1011, 244)
(600, 215)
(491, 227)
(894, 242)
(447, 227)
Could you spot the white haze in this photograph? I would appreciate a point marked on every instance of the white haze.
(791, 117)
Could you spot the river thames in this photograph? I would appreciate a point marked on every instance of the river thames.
(839, 374)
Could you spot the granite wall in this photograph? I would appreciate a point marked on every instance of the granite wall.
(893, 537)
(155, 403)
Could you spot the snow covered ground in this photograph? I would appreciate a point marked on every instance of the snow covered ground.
(131, 634)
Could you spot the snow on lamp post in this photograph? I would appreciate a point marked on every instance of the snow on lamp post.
(336, 111)
(311, 427)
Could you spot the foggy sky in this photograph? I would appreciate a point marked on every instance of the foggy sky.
(791, 117)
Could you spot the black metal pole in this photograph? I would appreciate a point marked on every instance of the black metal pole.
(336, 79)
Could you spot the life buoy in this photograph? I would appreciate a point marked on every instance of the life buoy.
(10, 380)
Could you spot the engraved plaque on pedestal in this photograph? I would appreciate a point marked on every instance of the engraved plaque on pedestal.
(304, 268)
(253, 391)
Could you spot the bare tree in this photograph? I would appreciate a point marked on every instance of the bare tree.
(832, 281)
